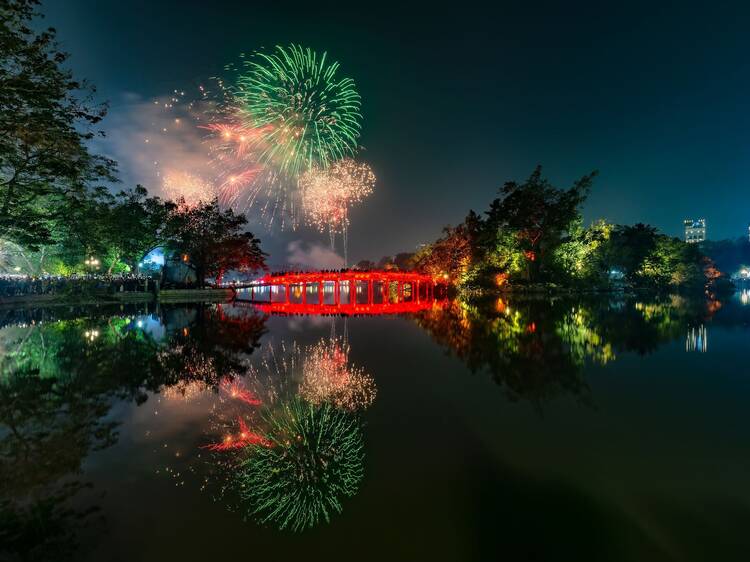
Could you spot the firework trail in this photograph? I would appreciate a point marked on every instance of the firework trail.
(328, 194)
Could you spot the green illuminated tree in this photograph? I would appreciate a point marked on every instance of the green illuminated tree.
(539, 215)
(580, 256)
(628, 248)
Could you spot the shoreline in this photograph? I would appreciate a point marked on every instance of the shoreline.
(164, 296)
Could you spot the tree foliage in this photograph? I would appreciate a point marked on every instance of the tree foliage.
(47, 118)
(212, 242)
(539, 215)
(534, 232)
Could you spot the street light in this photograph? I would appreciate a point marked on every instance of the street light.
(92, 262)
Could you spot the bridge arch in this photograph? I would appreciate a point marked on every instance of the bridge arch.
(346, 292)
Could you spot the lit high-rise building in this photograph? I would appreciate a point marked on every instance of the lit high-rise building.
(695, 230)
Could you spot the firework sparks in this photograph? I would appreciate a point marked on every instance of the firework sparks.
(243, 438)
(193, 189)
(235, 390)
(185, 390)
(308, 116)
(316, 459)
(245, 183)
(329, 377)
(328, 194)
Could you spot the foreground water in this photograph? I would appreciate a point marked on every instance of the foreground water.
(598, 429)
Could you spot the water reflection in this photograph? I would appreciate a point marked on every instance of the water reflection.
(311, 459)
(287, 436)
(536, 348)
(280, 420)
(697, 339)
(59, 378)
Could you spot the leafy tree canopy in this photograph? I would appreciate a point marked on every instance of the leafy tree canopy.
(46, 120)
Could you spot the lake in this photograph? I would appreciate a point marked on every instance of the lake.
(596, 428)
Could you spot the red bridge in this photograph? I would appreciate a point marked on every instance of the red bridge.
(344, 292)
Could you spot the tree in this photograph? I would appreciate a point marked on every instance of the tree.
(628, 248)
(672, 263)
(137, 224)
(211, 241)
(539, 215)
(728, 255)
(365, 265)
(450, 256)
(386, 263)
(580, 257)
(403, 260)
(46, 120)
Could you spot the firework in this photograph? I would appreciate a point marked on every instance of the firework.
(236, 390)
(185, 390)
(309, 116)
(314, 461)
(328, 194)
(191, 188)
(328, 377)
(244, 183)
(243, 438)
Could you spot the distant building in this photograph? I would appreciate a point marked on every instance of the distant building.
(695, 230)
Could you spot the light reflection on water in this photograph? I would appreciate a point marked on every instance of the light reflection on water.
(298, 423)
(697, 339)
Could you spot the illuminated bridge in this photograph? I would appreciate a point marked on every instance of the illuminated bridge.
(343, 292)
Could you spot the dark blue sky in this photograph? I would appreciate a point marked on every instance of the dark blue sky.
(458, 100)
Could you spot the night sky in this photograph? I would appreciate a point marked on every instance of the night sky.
(457, 101)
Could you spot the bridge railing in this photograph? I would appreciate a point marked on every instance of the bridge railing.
(339, 288)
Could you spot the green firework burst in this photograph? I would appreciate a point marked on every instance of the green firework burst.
(306, 115)
(316, 459)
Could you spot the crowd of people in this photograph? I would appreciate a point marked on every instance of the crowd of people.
(17, 285)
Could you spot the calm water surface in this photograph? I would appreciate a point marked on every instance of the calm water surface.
(597, 429)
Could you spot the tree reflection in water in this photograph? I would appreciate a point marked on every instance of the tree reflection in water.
(59, 377)
(58, 381)
(536, 348)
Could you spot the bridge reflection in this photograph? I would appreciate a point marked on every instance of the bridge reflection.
(343, 293)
